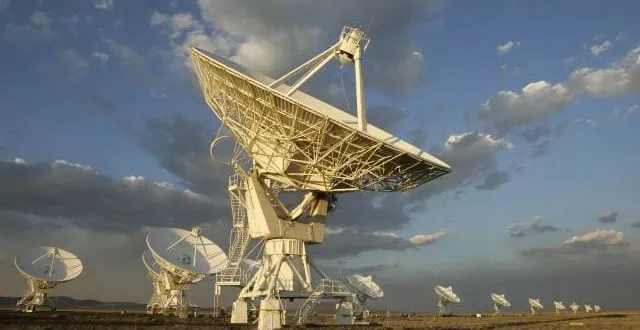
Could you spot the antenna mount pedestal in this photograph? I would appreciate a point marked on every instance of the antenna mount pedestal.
(36, 295)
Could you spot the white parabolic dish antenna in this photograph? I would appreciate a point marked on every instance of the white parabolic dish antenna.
(49, 264)
(447, 294)
(301, 141)
(559, 306)
(365, 286)
(44, 268)
(499, 301)
(535, 304)
(180, 258)
(574, 307)
(185, 252)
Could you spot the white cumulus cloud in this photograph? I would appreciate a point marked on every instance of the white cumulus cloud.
(508, 46)
(601, 48)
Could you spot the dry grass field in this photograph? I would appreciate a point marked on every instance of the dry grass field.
(138, 320)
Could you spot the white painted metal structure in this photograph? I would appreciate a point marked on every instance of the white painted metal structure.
(535, 304)
(559, 306)
(297, 143)
(43, 269)
(155, 274)
(597, 308)
(499, 301)
(180, 258)
(445, 296)
(574, 307)
(587, 308)
(365, 289)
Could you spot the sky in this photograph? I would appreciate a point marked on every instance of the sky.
(104, 135)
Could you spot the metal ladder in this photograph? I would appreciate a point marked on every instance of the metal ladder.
(240, 237)
(309, 304)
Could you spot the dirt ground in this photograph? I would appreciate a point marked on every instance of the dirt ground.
(138, 320)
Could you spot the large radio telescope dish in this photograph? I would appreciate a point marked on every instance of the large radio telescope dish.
(535, 305)
(574, 307)
(304, 142)
(179, 259)
(43, 269)
(447, 293)
(185, 252)
(298, 143)
(365, 286)
(499, 301)
(445, 296)
(49, 264)
(559, 306)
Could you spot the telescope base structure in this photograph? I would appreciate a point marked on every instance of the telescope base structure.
(270, 314)
(344, 313)
(533, 311)
(285, 273)
(496, 308)
(36, 296)
(170, 298)
(442, 306)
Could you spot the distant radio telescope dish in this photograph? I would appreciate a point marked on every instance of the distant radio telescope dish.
(365, 289)
(597, 308)
(587, 308)
(499, 301)
(365, 286)
(559, 306)
(180, 258)
(535, 305)
(574, 307)
(43, 269)
(186, 252)
(445, 296)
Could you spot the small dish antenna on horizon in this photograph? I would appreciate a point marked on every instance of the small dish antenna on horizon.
(597, 308)
(499, 301)
(44, 269)
(574, 307)
(559, 306)
(445, 296)
(365, 289)
(180, 258)
(587, 308)
(535, 305)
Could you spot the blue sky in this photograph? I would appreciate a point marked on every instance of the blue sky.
(102, 84)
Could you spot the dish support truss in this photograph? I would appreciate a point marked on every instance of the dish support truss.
(170, 295)
(442, 305)
(301, 147)
(284, 270)
(497, 309)
(36, 295)
(534, 310)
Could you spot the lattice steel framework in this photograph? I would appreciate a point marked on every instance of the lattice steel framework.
(301, 147)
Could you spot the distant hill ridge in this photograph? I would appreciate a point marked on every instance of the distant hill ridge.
(68, 302)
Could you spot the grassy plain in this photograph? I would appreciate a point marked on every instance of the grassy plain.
(96, 319)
